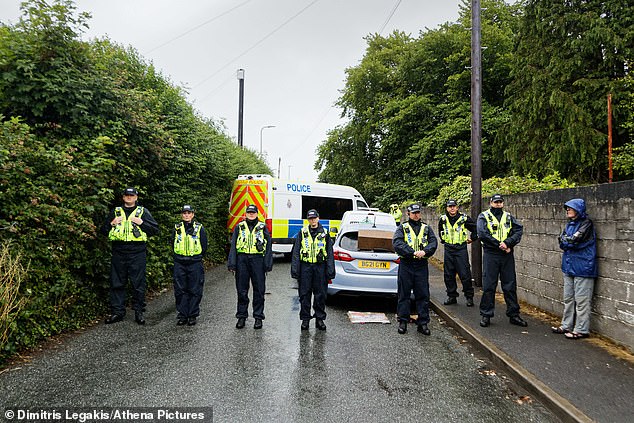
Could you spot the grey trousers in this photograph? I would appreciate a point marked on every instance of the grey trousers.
(577, 298)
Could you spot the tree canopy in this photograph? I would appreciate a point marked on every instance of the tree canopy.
(547, 68)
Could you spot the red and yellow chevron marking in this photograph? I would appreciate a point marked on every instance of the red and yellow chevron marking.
(247, 192)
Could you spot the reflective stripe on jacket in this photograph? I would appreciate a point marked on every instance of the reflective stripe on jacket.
(313, 250)
(417, 242)
(126, 230)
(456, 233)
(499, 229)
(186, 244)
(251, 241)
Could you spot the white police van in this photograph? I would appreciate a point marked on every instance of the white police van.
(283, 205)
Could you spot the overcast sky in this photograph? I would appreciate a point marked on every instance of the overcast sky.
(294, 53)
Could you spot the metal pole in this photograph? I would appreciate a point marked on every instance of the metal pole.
(262, 129)
(610, 137)
(476, 134)
(240, 106)
(279, 166)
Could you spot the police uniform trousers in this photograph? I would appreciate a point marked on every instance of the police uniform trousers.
(457, 261)
(123, 267)
(189, 279)
(250, 267)
(413, 275)
(504, 266)
(312, 283)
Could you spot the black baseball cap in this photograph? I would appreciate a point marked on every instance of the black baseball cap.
(311, 214)
(451, 202)
(496, 197)
(130, 191)
(251, 209)
(413, 208)
(187, 208)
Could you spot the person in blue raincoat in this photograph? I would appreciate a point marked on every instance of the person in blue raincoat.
(579, 266)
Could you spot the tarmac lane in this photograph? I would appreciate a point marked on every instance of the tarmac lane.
(351, 372)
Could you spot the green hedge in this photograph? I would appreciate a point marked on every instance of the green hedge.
(79, 121)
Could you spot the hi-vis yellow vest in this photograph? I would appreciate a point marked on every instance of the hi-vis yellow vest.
(185, 244)
(417, 242)
(126, 230)
(499, 229)
(251, 242)
(313, 249)
(456, 233)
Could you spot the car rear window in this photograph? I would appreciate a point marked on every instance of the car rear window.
(350, 241)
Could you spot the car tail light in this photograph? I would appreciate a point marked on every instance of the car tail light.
(329, 281)
(269, 225)
(341, 256)
(397, 261)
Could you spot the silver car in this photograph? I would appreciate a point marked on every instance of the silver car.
(371, 269)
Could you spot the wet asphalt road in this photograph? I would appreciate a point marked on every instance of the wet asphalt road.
(351, 372)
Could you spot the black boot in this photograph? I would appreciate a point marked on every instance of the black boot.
(402, 327)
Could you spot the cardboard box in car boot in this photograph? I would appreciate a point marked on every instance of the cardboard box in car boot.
(375, 240)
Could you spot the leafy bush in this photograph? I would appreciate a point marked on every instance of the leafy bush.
(12, 274)
(78, 122)
(460, 189)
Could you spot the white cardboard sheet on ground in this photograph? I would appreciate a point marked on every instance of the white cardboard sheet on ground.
(367, 317)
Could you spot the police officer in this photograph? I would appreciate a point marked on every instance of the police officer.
(312, 265)
(499, 233)
(250, 257)
(128, 227)
(453, 228)
(396, 213)
(189, 242)
(414, 242)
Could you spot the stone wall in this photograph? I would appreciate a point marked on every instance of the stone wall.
(538, 257)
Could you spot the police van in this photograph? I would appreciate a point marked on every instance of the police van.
(283, 205)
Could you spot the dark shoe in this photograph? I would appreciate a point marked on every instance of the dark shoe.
(518, 321)
(450, 300)
(485, 321)
(191, 321)
(305, 324)
(257, 324)
(181, 321)
(424, 329)
(575, 335)
(240, 323)
(402, 328)
(139, 318)
(469, 301)
(114, 318)
(319, 324)
(559, 329)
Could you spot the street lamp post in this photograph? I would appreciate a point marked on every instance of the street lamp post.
(262, 129)
(240, 76)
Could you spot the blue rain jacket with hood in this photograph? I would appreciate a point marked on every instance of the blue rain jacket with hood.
(578, 240)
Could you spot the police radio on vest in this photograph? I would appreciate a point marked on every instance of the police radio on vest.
(298, 187)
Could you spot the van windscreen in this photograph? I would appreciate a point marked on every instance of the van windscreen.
(329, 208)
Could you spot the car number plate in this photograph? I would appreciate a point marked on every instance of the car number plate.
(370, 264)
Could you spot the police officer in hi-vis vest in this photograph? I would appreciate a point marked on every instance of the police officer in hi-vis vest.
(414, 242)
(499, 233)
(312, 265)
(454, 228)
(189, 243)
(128, 227)
(250, 257)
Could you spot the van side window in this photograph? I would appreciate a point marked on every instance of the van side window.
(361, 205)
(329, 208)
